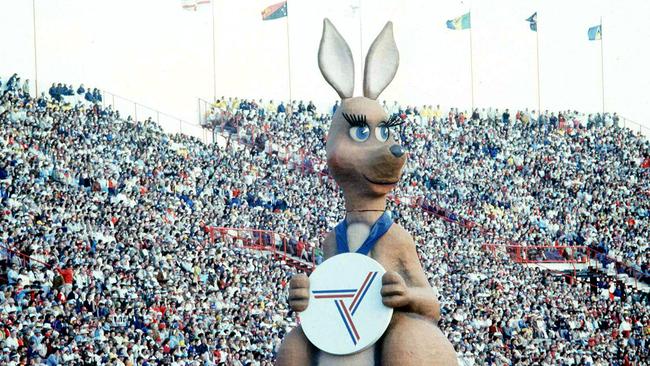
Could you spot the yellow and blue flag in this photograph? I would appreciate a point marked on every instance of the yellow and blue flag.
(275, 11)
(533, 22)
(595, 33)
(462, 22)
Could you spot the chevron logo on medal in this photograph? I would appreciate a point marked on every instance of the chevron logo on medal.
(347, 312)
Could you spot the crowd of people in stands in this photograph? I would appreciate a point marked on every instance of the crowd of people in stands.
(565, 179)
(58, 91)
(109, 254)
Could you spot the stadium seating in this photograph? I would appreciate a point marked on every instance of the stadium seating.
(122, 244)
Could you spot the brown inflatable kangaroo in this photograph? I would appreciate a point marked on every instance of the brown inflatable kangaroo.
(365, 158)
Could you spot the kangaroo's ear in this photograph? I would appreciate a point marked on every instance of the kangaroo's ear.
(381, 63)
(335, 61)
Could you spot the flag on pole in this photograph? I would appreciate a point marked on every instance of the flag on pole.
(189, 4)
(353, 9)
(533, 22)
(462, 22)
(595, 33)
(275, 11)
(193, 4)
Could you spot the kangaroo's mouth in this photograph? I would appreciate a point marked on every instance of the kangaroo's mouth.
(381, 183)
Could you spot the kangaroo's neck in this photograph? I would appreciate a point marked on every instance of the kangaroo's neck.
(365, 204)
(363, 217)
(359, 223)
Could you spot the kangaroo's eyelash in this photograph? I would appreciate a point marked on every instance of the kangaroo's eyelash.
(393, 121)
(355, 120)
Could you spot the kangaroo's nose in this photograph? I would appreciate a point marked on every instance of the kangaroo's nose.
(397, 150)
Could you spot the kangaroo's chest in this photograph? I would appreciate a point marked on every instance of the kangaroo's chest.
(357, 234)
(383, 252)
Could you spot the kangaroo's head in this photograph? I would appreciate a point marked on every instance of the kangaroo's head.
(363, 146)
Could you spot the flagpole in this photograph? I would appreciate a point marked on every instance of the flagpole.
(602, 66)
(214, 59)
(289, 53)
(471, 60)
(539, 97)
(35, 49)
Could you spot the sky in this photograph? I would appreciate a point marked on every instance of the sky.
(156, 53)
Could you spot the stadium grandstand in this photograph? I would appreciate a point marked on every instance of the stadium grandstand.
(124, 245)
(164, 182)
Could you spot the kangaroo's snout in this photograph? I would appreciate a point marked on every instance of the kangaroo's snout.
(397, 151)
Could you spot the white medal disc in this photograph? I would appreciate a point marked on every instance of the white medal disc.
(345, 313)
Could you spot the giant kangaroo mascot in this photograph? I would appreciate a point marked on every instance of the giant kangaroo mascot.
(365, 158)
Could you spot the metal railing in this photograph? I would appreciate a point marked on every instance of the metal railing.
(204, 108)
(634, 126)
(141, 112)
(283, 246)
(24, 258)
(527, 254)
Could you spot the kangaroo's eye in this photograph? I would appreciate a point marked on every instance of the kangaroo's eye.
(359, 133)
(382, 133)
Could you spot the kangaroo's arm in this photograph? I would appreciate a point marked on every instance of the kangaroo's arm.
(421, 299)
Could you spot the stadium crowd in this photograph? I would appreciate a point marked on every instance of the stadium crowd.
(124, 268)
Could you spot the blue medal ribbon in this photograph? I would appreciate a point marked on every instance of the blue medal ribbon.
(378, 229)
